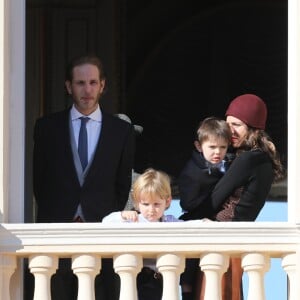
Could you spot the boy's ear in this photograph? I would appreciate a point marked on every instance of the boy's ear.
(168, 202)
(197, 146)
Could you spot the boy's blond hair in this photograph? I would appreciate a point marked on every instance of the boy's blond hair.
(151, 182)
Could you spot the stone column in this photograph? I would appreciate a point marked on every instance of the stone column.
(170, 266)
(293, 110)
(213, 265)
(8, 265)
(42, 266)
(128, 266)
(289, 264)
(86, 267)
(256, 264)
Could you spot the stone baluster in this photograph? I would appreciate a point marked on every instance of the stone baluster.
(256, 264)
(127, 266)
(86, 267)
(170, 266)
(214, 265)
(42, 267)
(289, 264)
(8, 265)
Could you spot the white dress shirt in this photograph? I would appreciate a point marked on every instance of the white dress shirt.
(93, 127)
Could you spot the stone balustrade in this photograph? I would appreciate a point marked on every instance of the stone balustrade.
(128, 244)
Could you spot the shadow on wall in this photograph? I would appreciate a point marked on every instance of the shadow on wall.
(198, 66)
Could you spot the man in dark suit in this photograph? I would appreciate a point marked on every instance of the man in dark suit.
(66, 188)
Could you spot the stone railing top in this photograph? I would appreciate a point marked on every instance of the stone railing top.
(150, 238)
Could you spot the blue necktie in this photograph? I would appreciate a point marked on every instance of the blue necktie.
(82, 143)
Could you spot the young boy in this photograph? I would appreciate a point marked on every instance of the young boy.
(197, 180)
(206, 166)
(151, 193)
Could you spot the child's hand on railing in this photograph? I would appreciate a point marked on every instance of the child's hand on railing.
(130, 215)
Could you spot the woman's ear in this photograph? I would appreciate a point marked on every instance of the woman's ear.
(198, 146)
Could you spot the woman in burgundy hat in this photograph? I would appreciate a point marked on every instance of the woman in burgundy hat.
(241, 193)
(256, 166)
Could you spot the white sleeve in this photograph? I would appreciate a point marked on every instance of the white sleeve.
(113, 217)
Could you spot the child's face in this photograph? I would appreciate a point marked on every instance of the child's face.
(152, 207)
(213, 149)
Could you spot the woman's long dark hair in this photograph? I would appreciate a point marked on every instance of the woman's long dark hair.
(259, 140)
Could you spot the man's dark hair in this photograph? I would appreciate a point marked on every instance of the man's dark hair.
(82, 60)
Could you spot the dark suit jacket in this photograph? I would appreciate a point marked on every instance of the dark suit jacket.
(56, 187)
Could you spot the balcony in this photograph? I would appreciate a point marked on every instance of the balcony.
(127, 244)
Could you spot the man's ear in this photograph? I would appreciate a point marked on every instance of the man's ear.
(102, 85)
(68, 87)
(198, 146)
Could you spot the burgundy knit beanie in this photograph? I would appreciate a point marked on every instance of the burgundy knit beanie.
(250, 109)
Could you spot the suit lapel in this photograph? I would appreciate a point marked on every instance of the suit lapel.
(65, 139)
